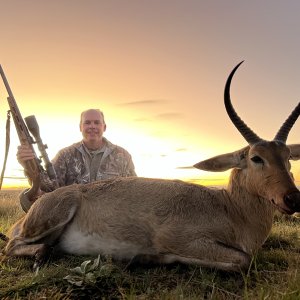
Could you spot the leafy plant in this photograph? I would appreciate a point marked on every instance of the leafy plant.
(89, 271)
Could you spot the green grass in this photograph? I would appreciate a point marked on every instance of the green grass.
(273, 273)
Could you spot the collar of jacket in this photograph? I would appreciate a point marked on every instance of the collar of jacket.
(108, 149)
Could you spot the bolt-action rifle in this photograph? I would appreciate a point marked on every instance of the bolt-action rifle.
(33, 168)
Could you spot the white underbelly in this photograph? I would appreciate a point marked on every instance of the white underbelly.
(76, 242)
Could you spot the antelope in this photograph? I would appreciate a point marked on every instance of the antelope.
(164, 221)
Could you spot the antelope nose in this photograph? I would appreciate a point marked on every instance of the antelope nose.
(292, 201)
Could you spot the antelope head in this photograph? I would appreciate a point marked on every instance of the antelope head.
(263, 165)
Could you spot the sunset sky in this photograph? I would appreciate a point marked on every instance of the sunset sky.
(157, 69)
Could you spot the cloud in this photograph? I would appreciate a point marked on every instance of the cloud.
(169, 116)
(152, 102)
(15, 177)
(143, 102)
(181, 150)
(163, 116)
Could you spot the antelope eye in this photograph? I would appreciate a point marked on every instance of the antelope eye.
(256, 159)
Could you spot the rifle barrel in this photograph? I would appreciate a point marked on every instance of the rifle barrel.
(6, 83)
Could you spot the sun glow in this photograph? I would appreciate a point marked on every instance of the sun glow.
(153, 156)
(158, 151)
(159, 148)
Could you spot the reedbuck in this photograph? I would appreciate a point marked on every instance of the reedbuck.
(165, 221)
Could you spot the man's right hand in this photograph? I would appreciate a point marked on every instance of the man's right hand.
(24, 153)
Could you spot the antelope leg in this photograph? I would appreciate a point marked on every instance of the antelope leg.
(208, 253)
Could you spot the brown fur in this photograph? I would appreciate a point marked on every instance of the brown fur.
(167, 220)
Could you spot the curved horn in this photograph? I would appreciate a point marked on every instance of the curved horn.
(284, 130)
(246, 132)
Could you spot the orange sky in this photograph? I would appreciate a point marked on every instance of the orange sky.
(157, 69)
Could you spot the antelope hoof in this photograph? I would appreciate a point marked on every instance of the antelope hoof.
(42, 256)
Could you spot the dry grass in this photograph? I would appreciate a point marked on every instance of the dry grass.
(10, 210)
(273, 274)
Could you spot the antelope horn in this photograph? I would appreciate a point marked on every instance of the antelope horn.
(284, 130)
(245, 131)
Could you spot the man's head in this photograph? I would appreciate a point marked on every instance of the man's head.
(92, 126)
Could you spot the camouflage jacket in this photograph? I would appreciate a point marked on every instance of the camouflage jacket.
(72, 166)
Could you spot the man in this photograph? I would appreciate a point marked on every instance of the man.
(94, 158)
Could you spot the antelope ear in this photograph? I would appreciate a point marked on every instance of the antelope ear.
(295, 151)
(225, 162)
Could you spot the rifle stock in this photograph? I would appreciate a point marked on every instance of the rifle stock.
(33, 168)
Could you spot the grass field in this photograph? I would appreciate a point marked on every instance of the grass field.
(273, 273)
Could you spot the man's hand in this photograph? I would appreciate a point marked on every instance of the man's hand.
(24, 154)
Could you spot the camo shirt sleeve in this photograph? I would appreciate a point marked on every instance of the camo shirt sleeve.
(68, 166)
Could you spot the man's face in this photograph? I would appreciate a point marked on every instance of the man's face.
(92, 126)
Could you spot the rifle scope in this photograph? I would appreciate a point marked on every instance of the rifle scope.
(33, 127)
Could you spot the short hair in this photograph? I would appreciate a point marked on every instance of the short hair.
(92, 109)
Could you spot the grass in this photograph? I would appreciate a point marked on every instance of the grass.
(273, 273)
